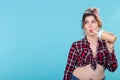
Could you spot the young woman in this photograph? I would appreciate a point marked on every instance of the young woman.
(89, 57)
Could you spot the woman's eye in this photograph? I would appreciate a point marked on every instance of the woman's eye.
(85, 22)
(93, 21)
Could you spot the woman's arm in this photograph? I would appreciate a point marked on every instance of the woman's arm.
(72, 57)
(112, 63)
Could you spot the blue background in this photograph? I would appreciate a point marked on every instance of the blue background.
(35, 36)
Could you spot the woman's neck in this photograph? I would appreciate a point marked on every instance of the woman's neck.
(92, 39)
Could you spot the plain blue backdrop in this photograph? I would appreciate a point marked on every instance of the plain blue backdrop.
(35, 35)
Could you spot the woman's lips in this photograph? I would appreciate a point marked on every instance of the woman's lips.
(91, 30)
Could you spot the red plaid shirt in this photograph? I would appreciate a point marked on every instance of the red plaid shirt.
(80, 54)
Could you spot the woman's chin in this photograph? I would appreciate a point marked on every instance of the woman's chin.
(92, 34)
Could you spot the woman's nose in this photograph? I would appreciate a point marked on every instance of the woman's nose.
(90, 25)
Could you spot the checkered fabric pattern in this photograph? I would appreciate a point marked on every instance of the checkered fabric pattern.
(80, 54)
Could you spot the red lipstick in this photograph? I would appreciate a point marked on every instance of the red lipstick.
(91, 30)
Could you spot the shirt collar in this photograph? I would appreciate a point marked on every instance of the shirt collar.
(87, 43)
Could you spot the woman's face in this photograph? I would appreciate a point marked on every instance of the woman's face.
(90, 25)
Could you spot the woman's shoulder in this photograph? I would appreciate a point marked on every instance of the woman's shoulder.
(78, 41)
(102, 42)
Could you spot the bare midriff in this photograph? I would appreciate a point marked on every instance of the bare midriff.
(87, 73)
